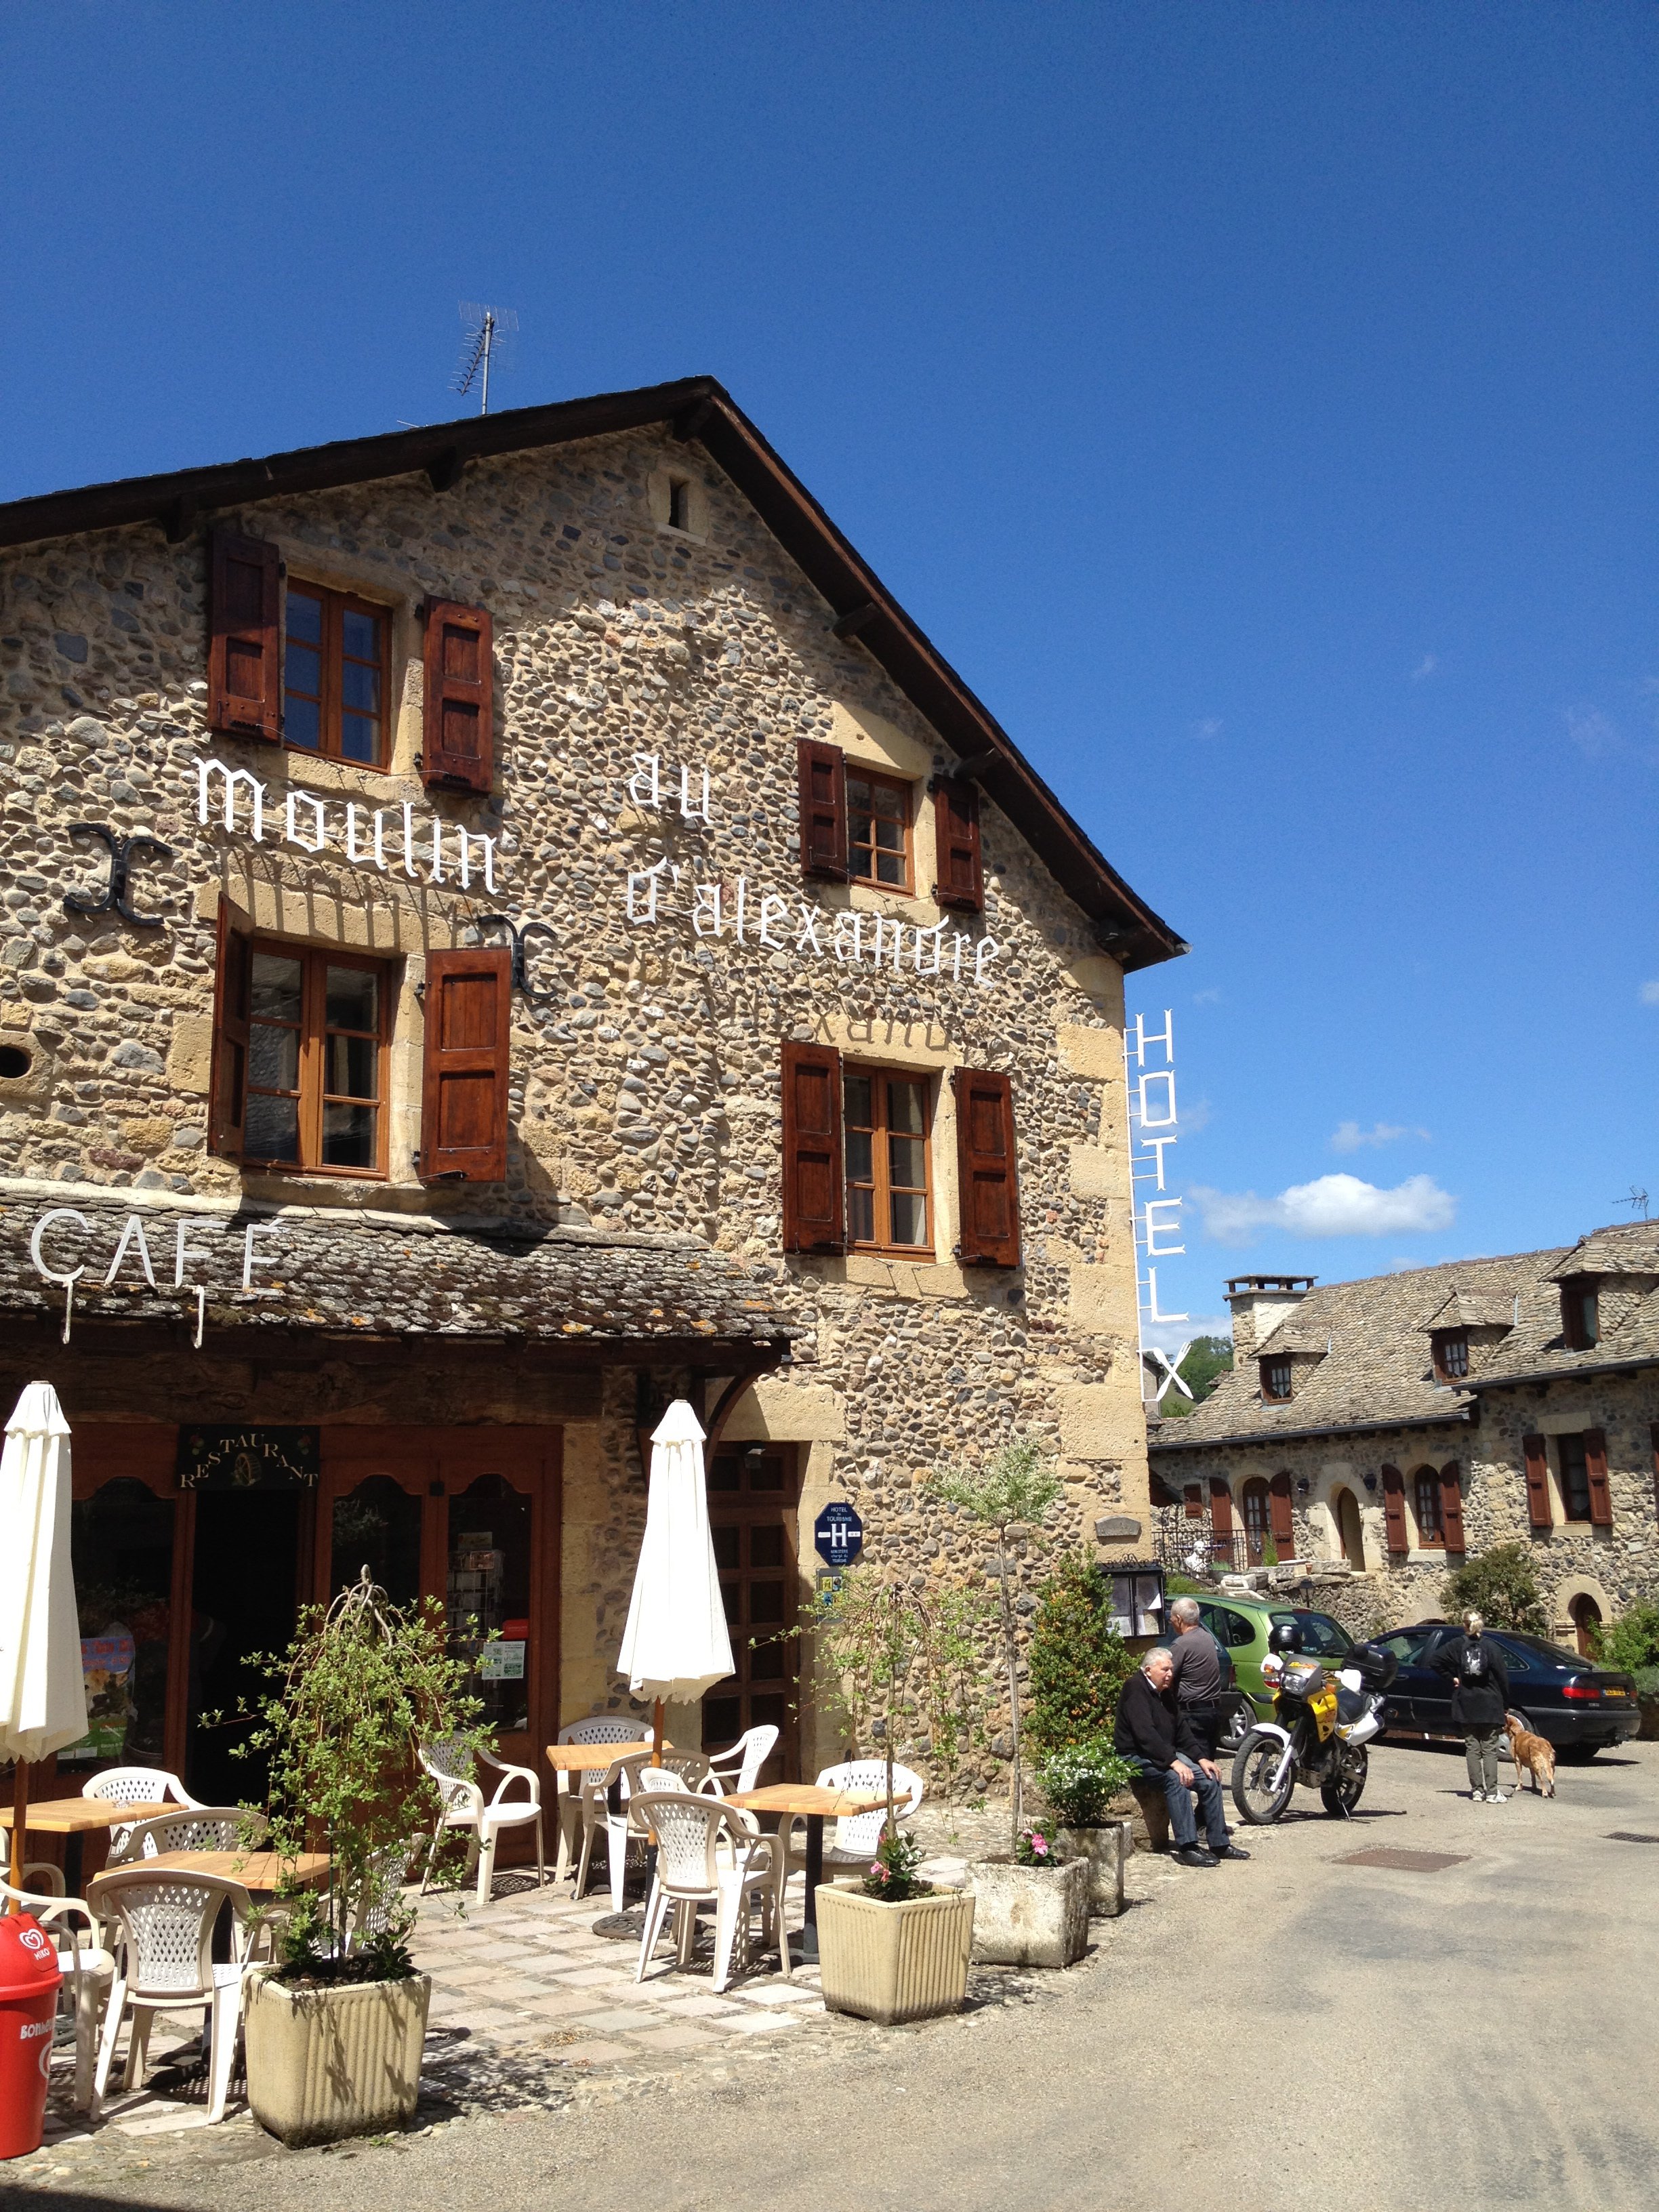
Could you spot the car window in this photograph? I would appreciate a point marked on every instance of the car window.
(1516, 1659)
(1235, 1630)
(1321, 1636)
(1554, 1653)
(1408, 1644)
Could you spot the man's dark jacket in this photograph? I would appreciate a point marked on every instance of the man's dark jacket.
(1151, 1726)
(1478, 1699)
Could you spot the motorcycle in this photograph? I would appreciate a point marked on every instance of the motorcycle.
(1318, 1736)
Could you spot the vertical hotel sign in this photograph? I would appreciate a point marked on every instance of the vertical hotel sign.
(1152, 1118)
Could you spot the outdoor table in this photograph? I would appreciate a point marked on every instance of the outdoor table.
(74, 1818)
(261, 1872)
(819, 1805)
(585, 1758)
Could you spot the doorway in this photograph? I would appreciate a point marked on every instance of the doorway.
(751, 1513)
(1586, 1617)
(244, 1596)
(1350, 1529)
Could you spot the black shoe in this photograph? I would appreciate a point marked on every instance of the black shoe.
(1193, 1855)
(1229, 1852)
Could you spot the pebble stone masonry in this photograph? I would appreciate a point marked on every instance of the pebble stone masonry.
(639, 1228)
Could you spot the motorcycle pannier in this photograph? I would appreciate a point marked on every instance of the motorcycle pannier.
(1375, 1665)
(1301, 1678)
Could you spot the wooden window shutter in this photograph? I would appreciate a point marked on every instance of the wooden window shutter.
(244, 636)
(232, 975)
(956, 832)
(1194, 1499)
(987, 1170)
(468, 1007)
(1451, 1506)
(1394, 1509)
(814, 1174)
(823, 810)
(1221, 1507)
(1595, 1466)
(1538, 1481)
(1284, 1524)
(458, 737)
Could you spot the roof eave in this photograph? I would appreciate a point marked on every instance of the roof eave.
(1564, 1374)
(1334, 1429)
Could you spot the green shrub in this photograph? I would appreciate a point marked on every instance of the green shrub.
(1501, 1584)
(1632, 1640)
(1081, 1781)
(1077, 1660)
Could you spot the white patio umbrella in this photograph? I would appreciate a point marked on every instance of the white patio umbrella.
(43, 1699)
(676, 1644)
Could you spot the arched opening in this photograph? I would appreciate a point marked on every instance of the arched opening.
(1426, 1506)
(1350, 1529)
(1586, 1618)
(1258, 1520)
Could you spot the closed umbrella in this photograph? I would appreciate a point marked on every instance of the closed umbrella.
(676, 1644)
(43, 1699)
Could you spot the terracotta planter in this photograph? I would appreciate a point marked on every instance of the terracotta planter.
(1105, 1849)
(326, 2064)
(894, 1962)
(1029, 1916)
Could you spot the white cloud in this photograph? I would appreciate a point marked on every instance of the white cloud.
(1425, 668)
(1170, 1336)
(1329, 1205)
(1350, 1137)
(1591, 731)
(1649, 995)
(1210, 726)
(1211, 997)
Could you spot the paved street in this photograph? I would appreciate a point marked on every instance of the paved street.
(1295, 2032)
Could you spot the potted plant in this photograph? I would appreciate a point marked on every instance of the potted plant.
(335, 2028)
(892, 1947)
(1081, 1783)
(1035, 1904)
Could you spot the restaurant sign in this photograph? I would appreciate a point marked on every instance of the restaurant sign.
(249, 1458)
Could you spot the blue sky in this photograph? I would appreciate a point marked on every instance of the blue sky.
(1254, 401)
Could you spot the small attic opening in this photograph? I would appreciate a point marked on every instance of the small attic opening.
(680, 502)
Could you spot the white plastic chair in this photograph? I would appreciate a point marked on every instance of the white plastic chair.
(202, 1828)
(857, 1834)
(597, 1728)
(87, 1968)
(618, 1824)
(135, 1785)
(162, 1923)
(452, 1766)
(707, 1852)
(736, 1769)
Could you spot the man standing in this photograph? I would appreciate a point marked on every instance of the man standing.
(1200, 1675)
(1153, 1734)
(1480, 1692)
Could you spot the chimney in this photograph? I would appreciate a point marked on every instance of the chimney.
(1260, 1302)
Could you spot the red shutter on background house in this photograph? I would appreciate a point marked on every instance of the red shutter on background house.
(987, 1171)
(956, 832)
(1595, 1468)
(1451, 1506)
(1394, 1509)
(232, 972)
(1284, 1524)
(814, 1173)
(1221, 1507)
(822, 771)
(1193, 1497)
(1538, 1481)
(464, 1093)
(244, 634)
(457, 739)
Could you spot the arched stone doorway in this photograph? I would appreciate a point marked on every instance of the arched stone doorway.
(1586, 1618)
(1350, 1529)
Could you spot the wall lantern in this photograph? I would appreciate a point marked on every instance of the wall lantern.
(1369, 1481)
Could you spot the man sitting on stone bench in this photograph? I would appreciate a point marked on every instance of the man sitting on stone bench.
(1156, 1738)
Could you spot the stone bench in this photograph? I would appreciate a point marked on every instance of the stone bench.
(1151, 1825)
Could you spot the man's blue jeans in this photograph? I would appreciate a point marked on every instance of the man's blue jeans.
(1178, 1795)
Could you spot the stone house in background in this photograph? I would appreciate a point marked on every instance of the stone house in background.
(1377, 1432)
(506, 923)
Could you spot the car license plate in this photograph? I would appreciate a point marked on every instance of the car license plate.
(1615, 1693)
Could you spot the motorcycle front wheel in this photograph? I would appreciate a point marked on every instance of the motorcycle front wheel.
(1254, 1792)
(1341, 1796)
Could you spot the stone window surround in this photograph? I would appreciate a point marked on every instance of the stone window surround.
(403, 718)
(1551, 1427)
(659, 493)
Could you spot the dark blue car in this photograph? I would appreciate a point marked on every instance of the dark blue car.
(1579, 1707)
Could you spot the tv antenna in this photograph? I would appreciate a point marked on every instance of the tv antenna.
(1637, 1198)
(490, 331)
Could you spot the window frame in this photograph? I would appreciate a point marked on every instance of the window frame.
(880, 1183)
(315, 961)
(1431, 1527)
(1449, 1341)
(1583, 1292)
(1269, 1366)
(1581, 1437)
(878, 779)
(336, 605)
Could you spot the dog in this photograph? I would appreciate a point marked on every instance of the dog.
(1533, 1754)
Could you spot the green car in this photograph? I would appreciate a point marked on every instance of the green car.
(1241, 1627)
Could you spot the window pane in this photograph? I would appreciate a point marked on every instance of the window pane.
(907, 1169)
(352, 1068)
(726, 1546)
(300, 725)
(361, 636)
(856, 1095)
(359, 686)
(273, 1128)
(904, 1107)
(861, 1216)
(273, 1058)
(352, 1001)
(348, 1136)
(890, 836)
(359, 738)
(305, 671)
(888, 805)
(276, 988)
(305, 617)
(909, 1218)
(889, 868)
(860, 1164)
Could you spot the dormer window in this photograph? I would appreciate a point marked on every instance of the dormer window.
(1276, 1380)
(1451, 1354)
(1581, 1316)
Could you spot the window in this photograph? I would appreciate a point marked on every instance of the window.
(1258, 1522)
(1235, 1630)
(878, 829)
(1575, 1477)
(1276, 1380)
(886, 1126)
(1426, 1499)
(1581, 1316)
(334, 675)
(1451, 1354)
(1323, 1637)
(679, 503)
(316, 1060)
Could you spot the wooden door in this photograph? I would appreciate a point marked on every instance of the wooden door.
(752, 1498)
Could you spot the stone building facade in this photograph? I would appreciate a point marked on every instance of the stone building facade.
(1377, 1432)
(446, 876)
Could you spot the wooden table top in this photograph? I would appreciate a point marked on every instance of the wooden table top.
(807, 1797)
(257, 1870)
(579, 1758)
(77, 1816)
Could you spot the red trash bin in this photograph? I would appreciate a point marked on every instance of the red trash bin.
(29, 1979)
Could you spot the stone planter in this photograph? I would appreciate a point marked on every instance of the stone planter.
(894, 1962)
(1104, 1849)
(1029, 1916)
(326, 2064)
